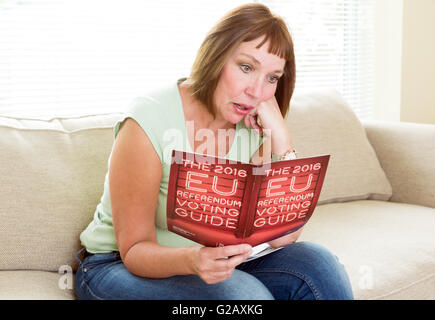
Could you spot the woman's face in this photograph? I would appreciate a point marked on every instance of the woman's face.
(249, 77)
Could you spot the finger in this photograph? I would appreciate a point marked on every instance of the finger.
(256, 126)
(247, 121)
(236, 260)
(228, 264)
(232, 250)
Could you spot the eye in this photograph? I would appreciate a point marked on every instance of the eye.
(272, 79)
(245, 68)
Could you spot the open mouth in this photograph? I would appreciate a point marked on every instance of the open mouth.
(241, 107)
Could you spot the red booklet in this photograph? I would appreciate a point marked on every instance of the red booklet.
(215, 201)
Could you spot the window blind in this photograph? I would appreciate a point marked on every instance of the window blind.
(62, 58)
(334, 47)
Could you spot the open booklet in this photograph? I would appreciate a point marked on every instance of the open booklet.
(217, 202)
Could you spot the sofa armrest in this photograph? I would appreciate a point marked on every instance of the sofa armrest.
(406, 151)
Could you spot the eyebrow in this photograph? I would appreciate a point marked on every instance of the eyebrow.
(258, 62)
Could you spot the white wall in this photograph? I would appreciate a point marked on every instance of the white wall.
(405, 55)
(388, 59)
(418, 62)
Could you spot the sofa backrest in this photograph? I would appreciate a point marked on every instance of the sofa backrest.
(51, 179)
(321, 122)
(52, 174)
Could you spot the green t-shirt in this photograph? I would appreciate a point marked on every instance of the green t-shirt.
(160, 114)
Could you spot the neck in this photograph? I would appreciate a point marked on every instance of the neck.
(217, 122)
(201, 114)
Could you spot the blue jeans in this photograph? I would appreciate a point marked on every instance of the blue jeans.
(300, 271)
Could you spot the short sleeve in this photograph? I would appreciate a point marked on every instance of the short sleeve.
(141, 110)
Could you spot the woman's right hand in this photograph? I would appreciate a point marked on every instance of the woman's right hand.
(216, 264)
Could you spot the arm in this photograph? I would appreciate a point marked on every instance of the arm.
(406, 152)
(135, 174)
(278, 141)
(273, 126)
(259, 158)
(134, 187)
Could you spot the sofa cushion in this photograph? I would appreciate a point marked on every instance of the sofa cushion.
(388, 248)
(34, 285)
(51, 180)
(321, 122)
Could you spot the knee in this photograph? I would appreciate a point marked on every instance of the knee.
(243, 286)
(316, 255)
(324, 272)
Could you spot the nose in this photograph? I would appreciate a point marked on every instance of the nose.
(255, 89)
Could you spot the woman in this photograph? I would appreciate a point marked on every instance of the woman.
(243, 76)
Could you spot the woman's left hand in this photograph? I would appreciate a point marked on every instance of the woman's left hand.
(273, 125)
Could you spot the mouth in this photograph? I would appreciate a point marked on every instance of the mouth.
(242, 108)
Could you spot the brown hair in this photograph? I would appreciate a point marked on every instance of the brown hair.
(245, 23)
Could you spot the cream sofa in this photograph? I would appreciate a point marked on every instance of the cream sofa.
(376, 211)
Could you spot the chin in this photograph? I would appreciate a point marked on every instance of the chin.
(236, 119)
